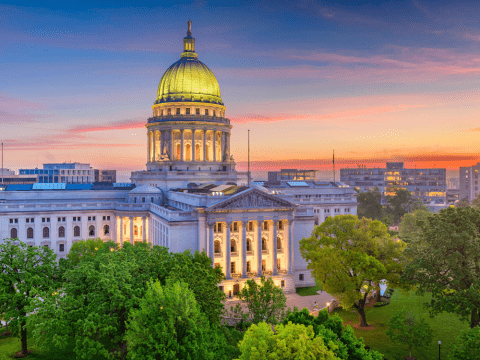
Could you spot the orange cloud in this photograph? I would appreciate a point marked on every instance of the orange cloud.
(121, 125)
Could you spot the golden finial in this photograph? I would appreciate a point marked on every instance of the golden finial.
(189, 32)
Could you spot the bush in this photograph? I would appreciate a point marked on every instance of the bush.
(381, 303)
(467, 345)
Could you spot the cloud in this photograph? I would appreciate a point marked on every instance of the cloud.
(16, 111)
(119, 125)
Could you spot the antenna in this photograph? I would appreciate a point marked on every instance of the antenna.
(333, 162)
(248, 158)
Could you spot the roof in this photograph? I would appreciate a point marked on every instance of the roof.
(79, 187)
(145, 189)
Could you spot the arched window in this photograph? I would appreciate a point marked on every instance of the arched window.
(76, 231)
(29, 233)
(264, 244)
(279, 243)
(207, 152)
(14, 233)
(143, 199)
(141, 230)
(179, 152)
(135, 230)
(197, 152)
(217, 247)
(249, 245)
(233, 245)
(188, 149)
(46, 232)
(279, 264)
(91, 230)
(61, 232)
(169, 111)
(106, 230)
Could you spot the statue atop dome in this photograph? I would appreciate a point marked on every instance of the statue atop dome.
(189, 31)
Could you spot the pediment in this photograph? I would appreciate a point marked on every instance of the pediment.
(252, 199)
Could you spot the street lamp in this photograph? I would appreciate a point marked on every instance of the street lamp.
(439, 344)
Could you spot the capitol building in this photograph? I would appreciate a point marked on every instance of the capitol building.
(189, 197)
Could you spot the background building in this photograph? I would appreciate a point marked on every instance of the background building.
(9, 177)
(426, 185)
(105, 176)
(291, 174)
(469, 182)
(70, 173)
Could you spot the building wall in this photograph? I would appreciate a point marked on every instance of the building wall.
(469, 178)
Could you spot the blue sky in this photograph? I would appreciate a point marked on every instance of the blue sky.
(376, 81)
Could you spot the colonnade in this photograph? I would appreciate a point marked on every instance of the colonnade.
(257, 236)
(130, 224)
(188, 144)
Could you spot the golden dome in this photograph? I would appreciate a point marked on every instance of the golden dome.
(189, 80)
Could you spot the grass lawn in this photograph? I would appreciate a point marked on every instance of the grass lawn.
(10, 345)
(446, 328)
(307, 291)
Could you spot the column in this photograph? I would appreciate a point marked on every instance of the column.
(214, 146)
(131, 229)
(204, 144)
(153, 144)
(228, 146)
(148, 146)
(182, 152)
(172, 153)
(121, 230)
(193, 145)
(144, 232)
(114, 230)
(290, 247)
(244, 248)
(259, 247)
(228, 261)
(210, 242)
(274, 250)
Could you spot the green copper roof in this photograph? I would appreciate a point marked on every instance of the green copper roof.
(189, 79)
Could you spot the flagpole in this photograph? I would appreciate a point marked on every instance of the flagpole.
(333, 161)
(248, 171)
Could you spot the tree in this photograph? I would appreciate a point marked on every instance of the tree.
(446, 262)
(87, 249)
(169, 325)
(265, 301)
(399, 204)
(467, 345)
(289, 341)
(339, 339)
(98, 294)
(410, 224)
(476, 201)
(24, 272)
(462, 203)
(370, 204)
(405, 328)
(349, 256)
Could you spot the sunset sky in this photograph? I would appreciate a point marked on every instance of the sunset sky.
(375, 81)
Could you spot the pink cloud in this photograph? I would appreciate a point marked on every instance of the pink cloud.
(121, 125)
(14, 110)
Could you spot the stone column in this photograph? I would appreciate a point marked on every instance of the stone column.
(193, 145)
(211, 253)
(182, 158)
(259, 247)
(121, 230)
(114, 230)
(228, 260)
(214, 146)
(228, 146)
(244, 248)
(172, 149)
(274, 250)
(290, 246)
(144, 232)
(153, 145)
(148, 146)
(131, 229)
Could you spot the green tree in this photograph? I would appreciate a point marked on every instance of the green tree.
(476, 201)
(24, 271)
(265, 301)
(169, 325)
(98, 294)
(370, 204)
(350, 256)
(467, 345)
(462, 203)
(410, 224)
(446, 262)
(399, 204)
(291, 341)
(81, 250)
(405, 328)
(339, 339)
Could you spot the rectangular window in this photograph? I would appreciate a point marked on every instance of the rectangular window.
(232, 267)
(265, 225)
(108, 217)
(283, 283)
(104, 218)
(74, 218)
(79, 218)
(187, 111)
(178, 111)
(32, 220)
(93, 218)
(206, 112)
(250, 226)
(249, 267)
(59, 219)
(28, 220)
(16, 221)
(300, 277)
(89, 218)
(61, 247)
(197, 111)
(11, 221)
(43, 219)
(63, 219)
(280, 225)
(48, 219)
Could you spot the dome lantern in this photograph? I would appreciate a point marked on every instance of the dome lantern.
(189, 43)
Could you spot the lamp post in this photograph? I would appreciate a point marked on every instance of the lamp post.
(439, 344)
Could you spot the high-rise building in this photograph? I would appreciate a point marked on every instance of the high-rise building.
(426, 185)
(469, 187)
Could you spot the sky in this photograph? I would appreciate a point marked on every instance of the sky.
(375, 81)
